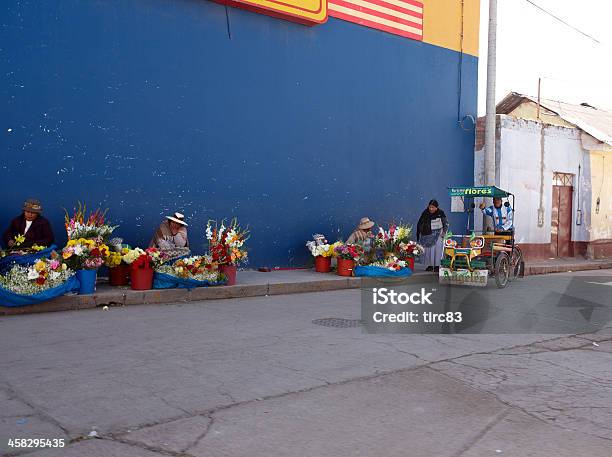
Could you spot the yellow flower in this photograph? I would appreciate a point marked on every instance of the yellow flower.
(39, 266)
(66, 254)
(64, 266)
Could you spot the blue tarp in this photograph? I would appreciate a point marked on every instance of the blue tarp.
(8, 298)
(164, 281)
(381, 272)
(7, 262)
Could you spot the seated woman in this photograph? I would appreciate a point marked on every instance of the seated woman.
(171, 236)
(363, 235)
(31, 225)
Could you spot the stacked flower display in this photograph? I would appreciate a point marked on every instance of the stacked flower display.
(321, 251)
(226, 246)
(45, 274)
(85, 256)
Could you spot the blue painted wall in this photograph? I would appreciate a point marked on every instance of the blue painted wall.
(147, 107)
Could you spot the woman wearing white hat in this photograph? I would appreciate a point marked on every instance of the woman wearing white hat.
(171, 234)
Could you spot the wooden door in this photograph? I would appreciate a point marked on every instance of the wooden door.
(561, 223)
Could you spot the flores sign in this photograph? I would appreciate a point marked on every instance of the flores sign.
(308, 12)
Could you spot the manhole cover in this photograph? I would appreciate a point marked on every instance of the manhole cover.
(337, 322)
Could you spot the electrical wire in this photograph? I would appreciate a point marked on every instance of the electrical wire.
(564, 22)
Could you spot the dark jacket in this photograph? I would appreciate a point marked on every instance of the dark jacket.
(40, 232)
(424, 224)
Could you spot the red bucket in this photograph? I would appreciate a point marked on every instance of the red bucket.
(119, 275)
(141, 278)
(230, 272)
(345, 267)
(322, 264)
(410, 262)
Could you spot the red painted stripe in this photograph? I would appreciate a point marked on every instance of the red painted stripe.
(375, 25)
(392, 7)
(377, 13)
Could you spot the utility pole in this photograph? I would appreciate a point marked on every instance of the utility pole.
(489, 155)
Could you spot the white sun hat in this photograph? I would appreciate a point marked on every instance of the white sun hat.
(178, 218)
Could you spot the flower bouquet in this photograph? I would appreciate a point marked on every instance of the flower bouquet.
(321, 251)
(142, 263)
(195, 271)
(348, 255)
(94, 226)
(85, 256)
(390, 239)
(226, 246)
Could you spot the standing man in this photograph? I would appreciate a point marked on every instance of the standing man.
(503, 218)
(31, 225)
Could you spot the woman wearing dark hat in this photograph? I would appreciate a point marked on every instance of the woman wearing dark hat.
(431, 228)
(31, 225)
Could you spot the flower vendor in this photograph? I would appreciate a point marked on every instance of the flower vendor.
(171, 236)
(30, 228)
(363, 235)
(431, 228)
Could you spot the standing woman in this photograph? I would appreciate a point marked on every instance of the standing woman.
(431, 228)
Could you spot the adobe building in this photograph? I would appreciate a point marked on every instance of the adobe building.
(557, 160)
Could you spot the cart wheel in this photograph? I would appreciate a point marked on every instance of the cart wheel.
(502, 270)
(516, 262)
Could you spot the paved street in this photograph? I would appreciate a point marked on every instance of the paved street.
(256, 377)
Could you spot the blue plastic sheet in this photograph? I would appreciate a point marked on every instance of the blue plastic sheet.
(164, 281)
(6, 263)
(8, 298)
(381, 272)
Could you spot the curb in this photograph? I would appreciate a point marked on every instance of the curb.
(125, 296)
(531, 270)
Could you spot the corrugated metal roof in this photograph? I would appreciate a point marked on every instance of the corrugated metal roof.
(594, 121)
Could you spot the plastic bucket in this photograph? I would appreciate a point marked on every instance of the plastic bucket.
(322, 264)
(141, 278)
(345, 267)
(87, 281)
(119, 275)
(230, 272)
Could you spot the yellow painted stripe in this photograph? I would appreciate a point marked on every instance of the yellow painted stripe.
(408, 6)
(379, 20)
(382, 9)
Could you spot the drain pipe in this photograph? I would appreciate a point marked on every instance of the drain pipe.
(489, 156)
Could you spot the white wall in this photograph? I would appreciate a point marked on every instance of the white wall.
(521, 166)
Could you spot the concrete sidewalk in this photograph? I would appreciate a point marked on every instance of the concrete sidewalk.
(565, 264)
(255, 284)
(250, 284)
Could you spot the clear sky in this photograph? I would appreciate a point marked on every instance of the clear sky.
(531, 44)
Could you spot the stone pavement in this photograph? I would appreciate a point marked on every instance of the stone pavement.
(256, 377)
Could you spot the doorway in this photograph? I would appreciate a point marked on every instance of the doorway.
(561, 223)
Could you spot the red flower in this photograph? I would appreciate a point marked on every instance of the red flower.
(95, 252)
(40, 280)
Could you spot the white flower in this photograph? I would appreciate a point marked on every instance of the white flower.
(208, 232)
(32, 273)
